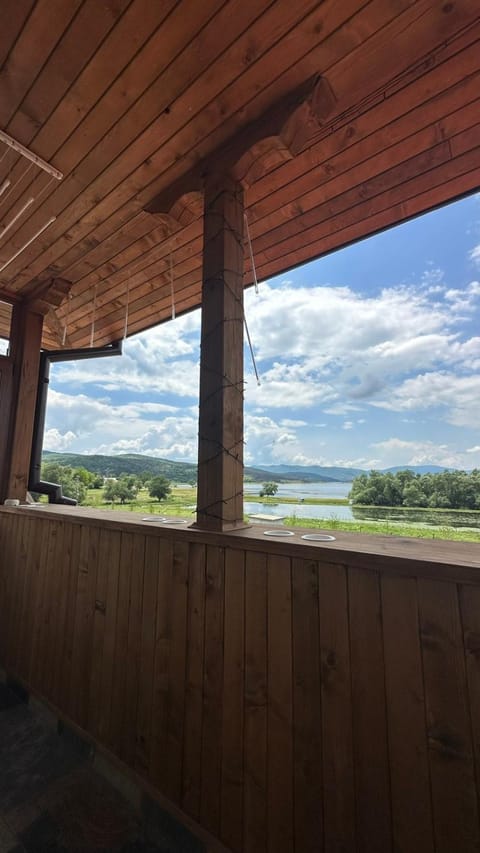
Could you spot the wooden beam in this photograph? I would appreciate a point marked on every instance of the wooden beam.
(278, 134)
(25, 343)
(220, 440)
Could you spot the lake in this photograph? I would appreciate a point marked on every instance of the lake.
(303, 490)
(429, 518)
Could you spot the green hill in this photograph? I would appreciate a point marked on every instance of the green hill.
(136, 463)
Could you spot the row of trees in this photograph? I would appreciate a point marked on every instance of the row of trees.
(76, 481)
(448, 490)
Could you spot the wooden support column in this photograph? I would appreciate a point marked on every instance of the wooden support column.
(25, 343)
(220, 440)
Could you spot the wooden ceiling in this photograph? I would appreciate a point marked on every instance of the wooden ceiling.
(124, 97)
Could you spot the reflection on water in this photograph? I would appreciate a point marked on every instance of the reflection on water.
(430, 518)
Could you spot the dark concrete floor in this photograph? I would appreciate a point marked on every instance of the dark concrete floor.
(53, 799)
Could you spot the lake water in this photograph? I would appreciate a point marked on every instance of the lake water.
(303, 490)
(429, 518)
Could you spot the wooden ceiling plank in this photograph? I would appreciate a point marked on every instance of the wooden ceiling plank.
(430, 96)
(381, 167)
(14, 16)
(413, 185)
(368, 225)
(45, 26)
(332, 183)
(77, 46)
(102, 73)
(394, 131)
(294, 161)
(110, 133)
(405, 37)
(297, 42)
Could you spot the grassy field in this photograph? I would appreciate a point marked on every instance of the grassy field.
(182, 500)
(387, 528)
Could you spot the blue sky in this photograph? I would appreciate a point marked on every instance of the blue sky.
(369, 357)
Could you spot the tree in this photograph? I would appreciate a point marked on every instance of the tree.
(269, 490)
(159, 488)
(68, 478)
(120, 490)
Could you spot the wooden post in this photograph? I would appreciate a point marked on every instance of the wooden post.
(220, 439)
(25, 343)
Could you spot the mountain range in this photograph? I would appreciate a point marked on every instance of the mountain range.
(186, 472)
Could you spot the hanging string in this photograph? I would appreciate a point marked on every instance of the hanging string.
(67, 314)
(250, 249)
(92, 333)
(252, 354)
(172, 291)
(126, 309)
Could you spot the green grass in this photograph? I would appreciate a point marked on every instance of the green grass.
(249, 496)
(387, 528)
(181, 500)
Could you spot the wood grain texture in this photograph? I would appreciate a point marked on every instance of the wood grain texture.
(125, 99)
(282, 703)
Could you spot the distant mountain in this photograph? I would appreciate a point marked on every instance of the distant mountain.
(186, 472)
(316, 473)
(417, 469)
(179, 472)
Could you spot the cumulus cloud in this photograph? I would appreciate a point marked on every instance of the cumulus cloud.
(396, 451)
(55, 440)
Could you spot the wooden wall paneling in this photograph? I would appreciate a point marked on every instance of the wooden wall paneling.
(337, 738)
(469, 597)
(64, 676)
(108, 553)
(280, 832)
(255, 721)
(177, 663)
(12, 582)
(213, 690)
(372, 783)
(134, 646)
(119, 680)
(142, 632)
(33, 533)
(308, 798)
(192, 752)
(412, 823)
(158, 764)
(6, 371)
(454, 797)
(83, 630)
(62, 589)
(104, 689)
(39, 606)
(233, 779)
(52, 650)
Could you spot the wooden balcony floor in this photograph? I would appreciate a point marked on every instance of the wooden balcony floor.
(53, 799)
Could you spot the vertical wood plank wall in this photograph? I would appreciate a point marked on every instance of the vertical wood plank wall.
(284, 704)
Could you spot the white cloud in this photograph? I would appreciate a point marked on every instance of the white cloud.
(55, 440)
(396, 451)
(457, 396)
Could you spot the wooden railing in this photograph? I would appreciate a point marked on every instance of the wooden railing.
(286, 697)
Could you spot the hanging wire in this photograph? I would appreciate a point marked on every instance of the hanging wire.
(252, 354)
(92, 333)
(250, 249)
(67, 315)
(125, 330)
(172, 291)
